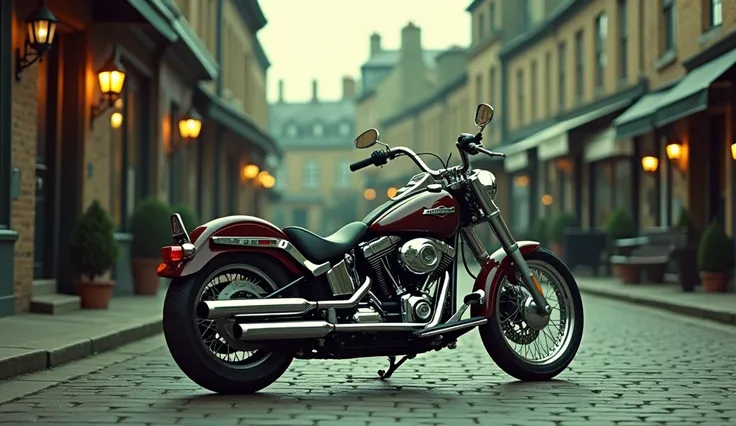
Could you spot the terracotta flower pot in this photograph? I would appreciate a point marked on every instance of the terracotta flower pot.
(95, 295)
(714, 282)
(145, 279)
(629, 274)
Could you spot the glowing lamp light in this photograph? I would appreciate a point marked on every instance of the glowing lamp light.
(522, 181)
(268, 181)
(369, 194)
(250, 171)
(116, 120)
(391, 192)
(733, 151)
(546, 199)
(190, 125)
(112, 78)
(674, 151)
(649, 164)
(40, 32)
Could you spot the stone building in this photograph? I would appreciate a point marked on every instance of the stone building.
(64, 143)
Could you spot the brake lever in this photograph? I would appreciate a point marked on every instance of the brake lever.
(479, 148)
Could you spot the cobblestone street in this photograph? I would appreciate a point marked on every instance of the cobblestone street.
(636, 366)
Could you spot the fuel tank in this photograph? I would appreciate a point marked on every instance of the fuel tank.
(432, 214)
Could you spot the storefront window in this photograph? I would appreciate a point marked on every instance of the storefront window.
(612, 190)
(602, 192)
(521, 208)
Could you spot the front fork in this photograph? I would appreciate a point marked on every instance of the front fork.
(503, 234)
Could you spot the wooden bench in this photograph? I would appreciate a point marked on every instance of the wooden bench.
(650, 254)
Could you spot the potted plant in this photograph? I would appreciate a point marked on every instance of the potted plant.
(686, 257)
(556, 232)
(93, 253)
(715, 258)
(187, 216)
(151, 231)
(619, 226)
(539, 231)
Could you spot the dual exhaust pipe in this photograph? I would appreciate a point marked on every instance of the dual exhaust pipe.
(214, 309)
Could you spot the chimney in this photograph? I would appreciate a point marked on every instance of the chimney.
(411, 40)
(281, 91)
(375, 44)
(314, 91)
(348, 88)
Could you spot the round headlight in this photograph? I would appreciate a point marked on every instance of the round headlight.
(489, 182)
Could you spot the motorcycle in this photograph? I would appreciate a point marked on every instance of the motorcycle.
(246, 298)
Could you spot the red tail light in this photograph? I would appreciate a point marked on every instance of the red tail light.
(172, 253)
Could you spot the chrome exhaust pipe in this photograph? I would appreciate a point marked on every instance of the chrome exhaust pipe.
(320, 329)
(216, 309)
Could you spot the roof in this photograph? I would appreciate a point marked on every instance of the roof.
(389, 58)
(306, 114)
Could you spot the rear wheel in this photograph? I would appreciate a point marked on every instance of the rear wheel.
(518, 340)
(206, 350)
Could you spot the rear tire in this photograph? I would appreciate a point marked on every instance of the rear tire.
(507, 359)
(185, 342)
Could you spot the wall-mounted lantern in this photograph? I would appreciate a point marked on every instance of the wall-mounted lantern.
(369, 194)
(40, 32)
(190, 125)
(674, 151)
(116, 120)
(111, 77)
(249, 172)
(391, 192)
(733, 151)
(266, 180)
(546, 200)
(649, 163)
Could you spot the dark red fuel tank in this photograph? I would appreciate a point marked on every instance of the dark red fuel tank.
(434, 214)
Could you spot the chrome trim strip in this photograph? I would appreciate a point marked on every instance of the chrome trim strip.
(280, 243)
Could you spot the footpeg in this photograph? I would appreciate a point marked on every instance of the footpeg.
(474, 298)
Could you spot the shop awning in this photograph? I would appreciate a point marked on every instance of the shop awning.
(213, 107)
(691, 93)
(639, 118)
(157, 16)
(557, 133)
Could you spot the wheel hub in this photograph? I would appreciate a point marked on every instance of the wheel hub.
(531, 315)
(513, 323)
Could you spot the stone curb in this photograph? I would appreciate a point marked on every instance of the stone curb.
(39, 359)
(691, 311)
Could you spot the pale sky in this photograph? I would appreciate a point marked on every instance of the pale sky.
(329, 39)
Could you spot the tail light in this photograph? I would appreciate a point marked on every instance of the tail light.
(172, 254)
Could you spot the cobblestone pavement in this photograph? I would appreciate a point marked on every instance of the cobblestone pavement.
(635, 367)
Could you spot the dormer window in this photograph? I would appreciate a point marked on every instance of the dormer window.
(318, 130)
(291, 130)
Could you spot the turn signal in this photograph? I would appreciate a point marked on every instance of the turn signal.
(172, 254)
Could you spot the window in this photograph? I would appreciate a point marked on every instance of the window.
(601, 33)
(492, 17)
(623, 42)
(344, 129)
(311, 175)
(669, 21)
(481, 26)
(548, 83)
(520, 95)
(562, 74)
(291, 130)
(716, 13)
(533, 89)
(478, 89)
(343, 174)
(318, 130)
(579, 65)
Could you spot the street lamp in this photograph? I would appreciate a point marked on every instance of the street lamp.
(369, 194)
(190, 125)
(41, 29)
(111, 77)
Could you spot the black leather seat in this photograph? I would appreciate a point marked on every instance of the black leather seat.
(322, 249)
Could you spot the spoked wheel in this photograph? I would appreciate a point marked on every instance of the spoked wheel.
(526, 345)
(206, 350)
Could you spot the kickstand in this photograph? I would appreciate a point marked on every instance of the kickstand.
(393, 365)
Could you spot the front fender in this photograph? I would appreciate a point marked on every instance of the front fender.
(230, 226)
(492, 274)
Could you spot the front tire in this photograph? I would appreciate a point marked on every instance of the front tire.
(495, 333)
(186, 345)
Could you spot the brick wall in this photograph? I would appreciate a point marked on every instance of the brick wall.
(23, 139)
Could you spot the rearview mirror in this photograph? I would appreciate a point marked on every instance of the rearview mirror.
(367, 139)
(483, 115)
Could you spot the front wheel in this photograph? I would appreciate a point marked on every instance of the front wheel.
(206, 350)
(517, 341)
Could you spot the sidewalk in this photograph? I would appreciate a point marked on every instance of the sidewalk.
(719, 307)
(33, 342)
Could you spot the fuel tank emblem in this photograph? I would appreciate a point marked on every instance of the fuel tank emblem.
(440, 211)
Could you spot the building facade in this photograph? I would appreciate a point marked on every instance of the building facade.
(315, 186)
(71, 134)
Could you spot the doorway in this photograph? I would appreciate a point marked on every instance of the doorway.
(48, 131)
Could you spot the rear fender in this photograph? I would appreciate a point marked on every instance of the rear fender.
(492, 274)
(233, 234)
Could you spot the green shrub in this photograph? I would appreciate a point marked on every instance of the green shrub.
(187, 216)
(150, 228)
(715, 252)
(93, 248)
(619, 226)
(556, 229)
(539, 231)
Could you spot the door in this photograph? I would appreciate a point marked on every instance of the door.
(46, 142)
